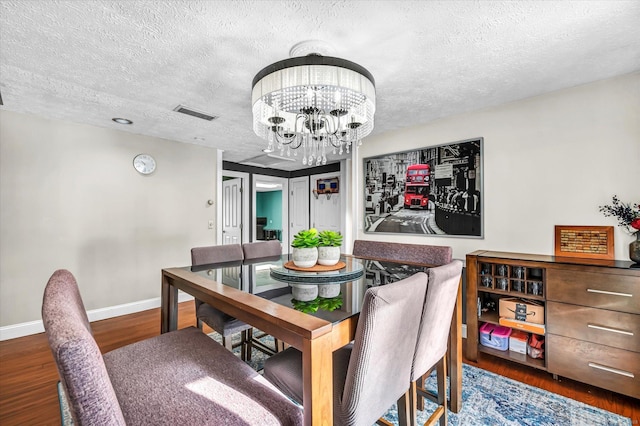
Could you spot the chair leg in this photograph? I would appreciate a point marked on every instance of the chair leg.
(441, 372)
(279, 345)
(440, 412)
(420, 385)
(420, 398)
(405, 405)
(243, 345)
(248, 345)
(199, 323)
(226, 342)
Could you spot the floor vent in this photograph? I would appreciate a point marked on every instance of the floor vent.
(192, 112)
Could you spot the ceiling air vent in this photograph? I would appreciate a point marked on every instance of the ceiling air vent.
(192, 112)
(266, 160)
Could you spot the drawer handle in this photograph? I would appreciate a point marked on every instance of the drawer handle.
(612, 293)
(611, 370)
(613, 330)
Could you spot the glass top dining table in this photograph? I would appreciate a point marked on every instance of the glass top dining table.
(269, 279)
(261, 293)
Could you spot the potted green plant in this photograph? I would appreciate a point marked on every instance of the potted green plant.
(305, 248)
(329, 247)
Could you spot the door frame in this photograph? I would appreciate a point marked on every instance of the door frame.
(285, 204)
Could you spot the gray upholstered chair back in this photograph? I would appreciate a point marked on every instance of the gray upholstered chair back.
(81, 367)
(411, 253)
(436, 317)
(216, 254)
(262, 249)
(380, 364)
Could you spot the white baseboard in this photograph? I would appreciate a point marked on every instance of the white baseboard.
(35, 327)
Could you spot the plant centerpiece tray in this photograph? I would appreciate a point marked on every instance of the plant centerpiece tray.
(346, 270)
(316, 267)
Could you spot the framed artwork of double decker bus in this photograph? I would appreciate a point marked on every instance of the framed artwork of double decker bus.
(435, 190)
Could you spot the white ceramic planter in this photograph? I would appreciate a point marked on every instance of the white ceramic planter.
(304, 292)
(305, 257)
(328, 290)
(328, 255)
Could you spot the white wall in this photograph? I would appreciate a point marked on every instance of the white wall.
(70, 198)
(549, 160)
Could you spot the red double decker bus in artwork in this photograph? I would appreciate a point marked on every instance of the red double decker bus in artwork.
(416, 187)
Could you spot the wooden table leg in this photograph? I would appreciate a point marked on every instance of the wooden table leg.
(317, 376)
(455, 354)
(168, 306)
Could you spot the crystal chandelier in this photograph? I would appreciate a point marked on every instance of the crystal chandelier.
(314, 104)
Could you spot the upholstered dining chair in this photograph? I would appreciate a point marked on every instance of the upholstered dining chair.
(411, 253)
(254, 251)
(181, 377)
(260, 249)
(431, 348)
(422, 254)
(223, 324)
(368, 374)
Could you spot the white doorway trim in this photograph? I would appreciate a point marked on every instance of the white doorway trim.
(284, 185)
(245, 201)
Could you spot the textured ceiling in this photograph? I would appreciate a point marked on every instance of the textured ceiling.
(89, 61)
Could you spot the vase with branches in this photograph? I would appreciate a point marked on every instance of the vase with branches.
(628, 215)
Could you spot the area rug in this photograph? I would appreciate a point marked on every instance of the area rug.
(491, 400)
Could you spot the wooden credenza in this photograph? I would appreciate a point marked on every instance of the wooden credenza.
(592, 314)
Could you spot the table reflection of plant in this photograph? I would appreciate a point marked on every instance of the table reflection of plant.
(324, 303)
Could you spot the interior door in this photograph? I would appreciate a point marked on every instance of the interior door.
(232, 211)
(299, 205)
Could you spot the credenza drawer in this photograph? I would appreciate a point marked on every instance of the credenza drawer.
(598, 290)
(611, 328)
(610, 368)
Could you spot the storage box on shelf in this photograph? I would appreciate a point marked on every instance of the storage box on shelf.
(518, 341)
(522, 310)
(587, 313)
(529, 327)
(495, 336)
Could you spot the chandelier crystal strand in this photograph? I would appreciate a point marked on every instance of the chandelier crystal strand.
(313, 101)
(304, 152)
(324, 156)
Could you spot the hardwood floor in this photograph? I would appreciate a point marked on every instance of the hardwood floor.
(28, 375)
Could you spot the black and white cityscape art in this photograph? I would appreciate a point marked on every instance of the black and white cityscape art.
(433, 190)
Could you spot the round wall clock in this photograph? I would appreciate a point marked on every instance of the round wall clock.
(144, 164)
